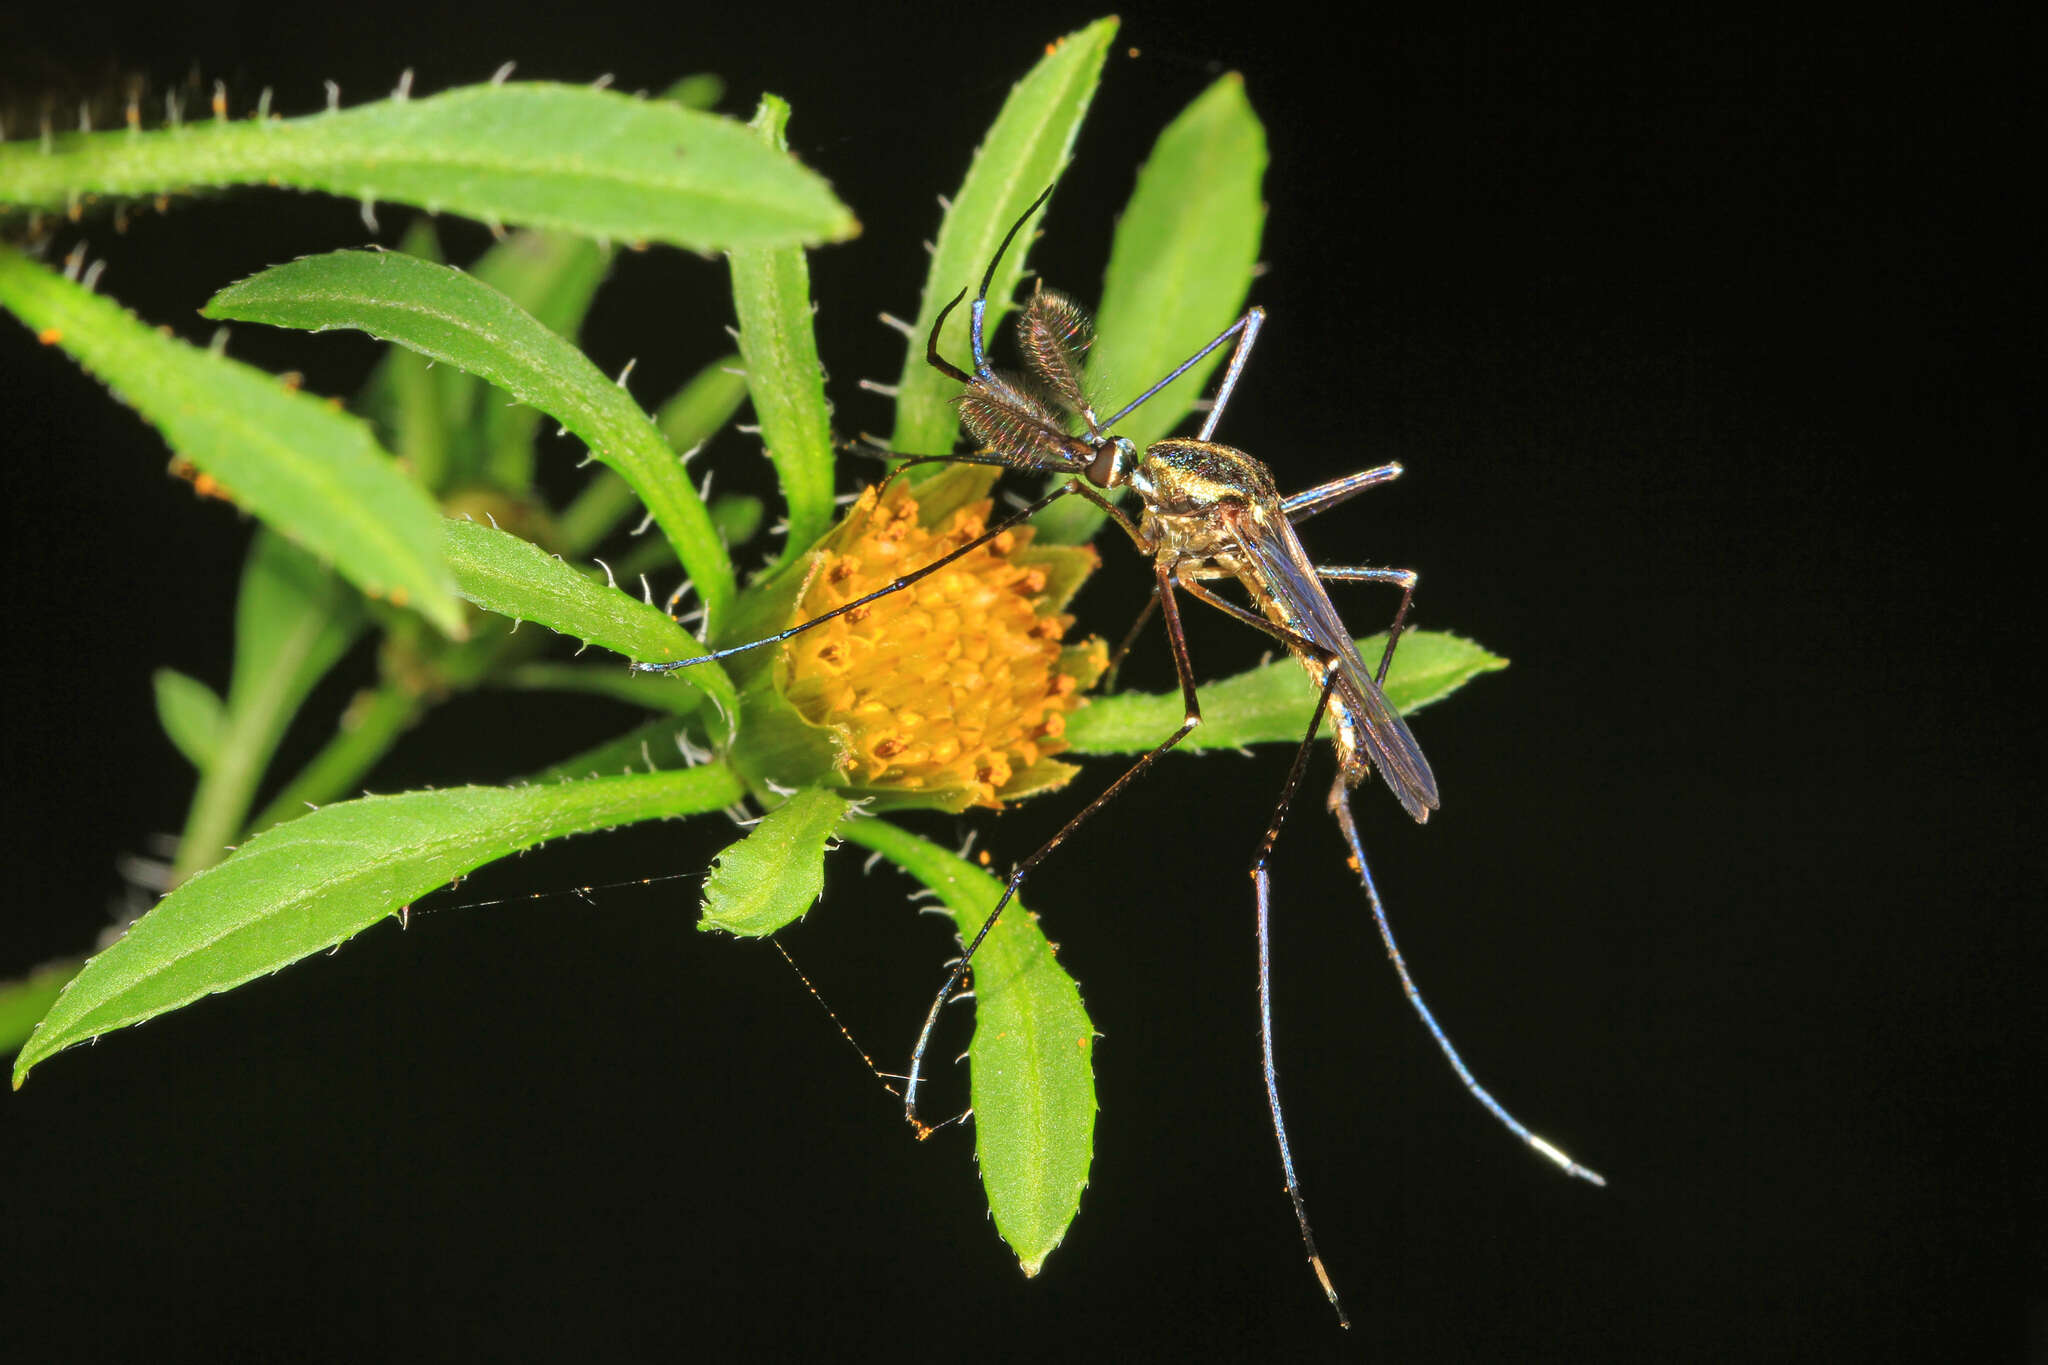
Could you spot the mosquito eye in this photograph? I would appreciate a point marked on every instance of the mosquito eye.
(1114, 463)
(1107, 471)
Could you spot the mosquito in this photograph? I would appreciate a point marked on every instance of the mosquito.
(1207, 511)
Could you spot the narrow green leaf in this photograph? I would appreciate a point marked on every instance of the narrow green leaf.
(422, 410)
(320, 880)
(293, 622)
(313, 473)
(1024, 151)
(777, 872)
(550, 156)
(692, 415)
(516, 578)
(1271, 704)
(1033, 1077)
(771, 292)
(1181, 263)
(192, 715)
(1180, 270)
(26, 999)
(452, 317)
(553, 276)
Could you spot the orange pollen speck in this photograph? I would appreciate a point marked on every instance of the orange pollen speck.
(50, 336)
(952, 684)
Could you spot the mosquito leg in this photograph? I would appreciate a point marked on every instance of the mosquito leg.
(1250, 324)
(1193, 717)
(1116, 660)
(1305, 504)
(941, 562)
(1260, 623)
(1262, 888)
(1116, 514)
(978, 310)
(1404, 579)
(1340, 806)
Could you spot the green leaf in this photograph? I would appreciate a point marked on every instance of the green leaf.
(311, 472)
(293, 622)
(191, 714)
(452, 317)
(313, 883)
(516, 578)
(771, 291)
(1271, 704)
(553, 276)
(1024, 151)
(422, 410)
(550, 156)
(1033, 1081)
(777, 872)
(691, 416)
(1180, 269)
(26, 999)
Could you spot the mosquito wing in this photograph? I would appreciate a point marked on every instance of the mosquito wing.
(1275, 554)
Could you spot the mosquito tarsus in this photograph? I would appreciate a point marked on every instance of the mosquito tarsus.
(1207, 511)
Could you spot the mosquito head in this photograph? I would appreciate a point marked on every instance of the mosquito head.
(1113, 463)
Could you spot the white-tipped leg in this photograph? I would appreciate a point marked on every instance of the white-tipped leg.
(1340, 806)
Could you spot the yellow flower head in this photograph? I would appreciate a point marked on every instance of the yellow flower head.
(955, 690)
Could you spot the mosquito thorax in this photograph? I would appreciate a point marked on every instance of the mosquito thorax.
(1187, 478)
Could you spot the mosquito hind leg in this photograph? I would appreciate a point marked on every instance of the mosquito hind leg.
(1262, 890)
(1116, 658)
(1340, 806)
(1404, 579)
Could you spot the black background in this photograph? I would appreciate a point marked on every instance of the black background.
(1691, 340)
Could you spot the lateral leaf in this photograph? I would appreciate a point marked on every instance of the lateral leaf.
(691, 416)
(533, 154)
(502, 573)
(1180, 270)
(294, 620)
(1025, 150)
(191, 713)
(771, 292)
(313, 473)
(455, 318)
(317, 881)
(1033, 1075)
(777, 872)
(1271, 704)
(554, 276)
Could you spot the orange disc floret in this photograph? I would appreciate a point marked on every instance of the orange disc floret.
(952, 684)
